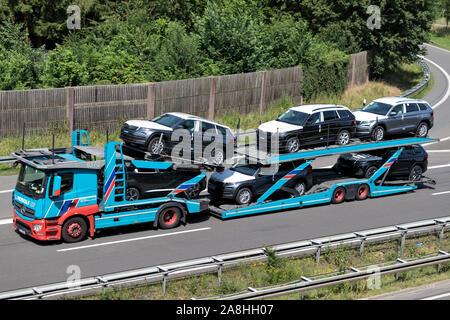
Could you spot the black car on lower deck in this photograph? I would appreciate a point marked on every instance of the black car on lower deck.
(152, 183)
(245, 180)
(412, 162)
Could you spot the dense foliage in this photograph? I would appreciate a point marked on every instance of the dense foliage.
(140, 41)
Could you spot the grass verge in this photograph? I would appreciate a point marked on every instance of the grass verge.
(278, 270)
(440, 35)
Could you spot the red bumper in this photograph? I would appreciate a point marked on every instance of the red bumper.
(50, 230)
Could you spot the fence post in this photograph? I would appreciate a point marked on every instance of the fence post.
(219, 268)
(212, 97)
(70, 104)
(262, 101)
(151, 101)
(164, 281)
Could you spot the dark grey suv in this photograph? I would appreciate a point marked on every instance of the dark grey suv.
(394, 115)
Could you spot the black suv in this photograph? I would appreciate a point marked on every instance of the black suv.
(155, 136)
(153, 183)
(308, 125)
(412, 162)
(246, 180)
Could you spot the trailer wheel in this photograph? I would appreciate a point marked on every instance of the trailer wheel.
(338, 195)
(74, 230)
(169, 217)
(363, 192)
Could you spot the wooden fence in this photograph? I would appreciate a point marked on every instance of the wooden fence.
(106, 106)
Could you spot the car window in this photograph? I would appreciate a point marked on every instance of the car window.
(188, 125)
(377, 108)
(411, 107)
(314, 118)
(293, 117)
(207, 126)
(269, 170)
(343, 113)
(222, 130)
(397, 110)
(329, 115)
(423, 106)
(167, 120)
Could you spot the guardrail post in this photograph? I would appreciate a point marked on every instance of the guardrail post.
(304, 291)
(363, 241)
(319, 249)
(443, 226)
(164, 281)
(219, 268)
(439, 266)
(397, 274)
(404, 231)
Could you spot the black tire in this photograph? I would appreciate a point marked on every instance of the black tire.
(74, 230)
(300, 187)
(370, 171)
(243, 196)
(132, 194)
(422, 130)
(292, 145)
(415, 174)
(155, 146)
(363, 192)
(343, 138)
(378, 133)
(338, 195)
(169, 217)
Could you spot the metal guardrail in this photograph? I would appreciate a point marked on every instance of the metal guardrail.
(163, 273)
(423, 83)
(351, 274)
(7, 159)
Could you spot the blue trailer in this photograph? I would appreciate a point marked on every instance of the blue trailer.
(332, 187)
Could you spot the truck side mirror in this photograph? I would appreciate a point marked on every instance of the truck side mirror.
(56, 191)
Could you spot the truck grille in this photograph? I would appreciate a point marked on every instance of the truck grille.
(25, 211)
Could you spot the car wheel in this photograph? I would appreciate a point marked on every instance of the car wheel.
(293, 144)
(343, 138)
(363, 192)
(218, 157)
(338, 195)
(416, 173)
(169, 217)
(244, 196)
(378, 133)
(300, 187)
(422, 130)
(370, 171)
(156, 145)
(132, 194)
(74, 230)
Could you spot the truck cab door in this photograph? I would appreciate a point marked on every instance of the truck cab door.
(68, 198)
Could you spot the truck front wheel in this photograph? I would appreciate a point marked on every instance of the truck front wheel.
(169, 217)
(74, 230)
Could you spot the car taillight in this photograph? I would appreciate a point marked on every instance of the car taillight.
(354, 121)
(432, 114)
(426, 158)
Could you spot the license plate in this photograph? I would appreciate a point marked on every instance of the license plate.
(22, 231)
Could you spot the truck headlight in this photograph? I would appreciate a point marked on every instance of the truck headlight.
(37, 227)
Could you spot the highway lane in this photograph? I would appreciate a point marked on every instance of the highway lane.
(26, 263)
(434, 291)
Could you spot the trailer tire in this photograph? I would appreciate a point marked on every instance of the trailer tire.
(363, 192)
(338, 195)
(169, 217)
(74, 229)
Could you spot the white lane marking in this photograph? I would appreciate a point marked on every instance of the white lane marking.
(438, 151)
(447, 77)
(7, 191)
(441, 166)
(6, 221)
(133, 239)
(438, 296)
(439, 193)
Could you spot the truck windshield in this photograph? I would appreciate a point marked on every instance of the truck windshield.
(31, 182)
(377, 108)
(293, 117)
(167, 120)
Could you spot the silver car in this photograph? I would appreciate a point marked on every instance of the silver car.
(394, 115)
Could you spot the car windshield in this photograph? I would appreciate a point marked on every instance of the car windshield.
(31, 182)
(245, 167)
(377, 108)
(167, 120)
(293, 117)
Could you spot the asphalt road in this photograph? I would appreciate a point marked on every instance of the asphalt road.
(25, 263)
